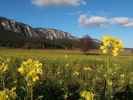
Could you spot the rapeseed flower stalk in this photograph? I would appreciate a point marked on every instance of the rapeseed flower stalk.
(31, 70)
(87, 95)
(3, 69)
(111, 45)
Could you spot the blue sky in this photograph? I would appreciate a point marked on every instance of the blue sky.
(80, 17)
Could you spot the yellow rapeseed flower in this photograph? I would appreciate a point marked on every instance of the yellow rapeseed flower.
(76, 73)
(31, 70)
(111, 45)
(7, 94)
(66, 56)
(87, 68)
(87, 95)
(3, 67)
(3, 95)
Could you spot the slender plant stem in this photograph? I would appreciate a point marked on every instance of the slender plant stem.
(31, 93)
(3, 81)
(108, 80)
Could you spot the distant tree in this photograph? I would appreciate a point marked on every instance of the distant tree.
(87, 43)
(76, 43)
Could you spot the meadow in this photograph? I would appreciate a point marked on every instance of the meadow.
(68, 75)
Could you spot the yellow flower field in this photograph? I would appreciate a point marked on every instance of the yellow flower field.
(67, 75)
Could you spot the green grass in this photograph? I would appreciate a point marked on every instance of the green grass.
(43, 53)
(73, 55)
(38, 53)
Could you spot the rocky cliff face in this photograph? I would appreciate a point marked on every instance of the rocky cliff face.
(53, 34)
(17, 34)
(28, 33)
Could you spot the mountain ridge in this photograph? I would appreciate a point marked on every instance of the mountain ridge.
(18, 34)
(19, 27)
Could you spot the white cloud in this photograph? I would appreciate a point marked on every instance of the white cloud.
(92, 21)
(99, 21)
(120, 20)
(123, 21)
(129, 24)
(58, 2)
